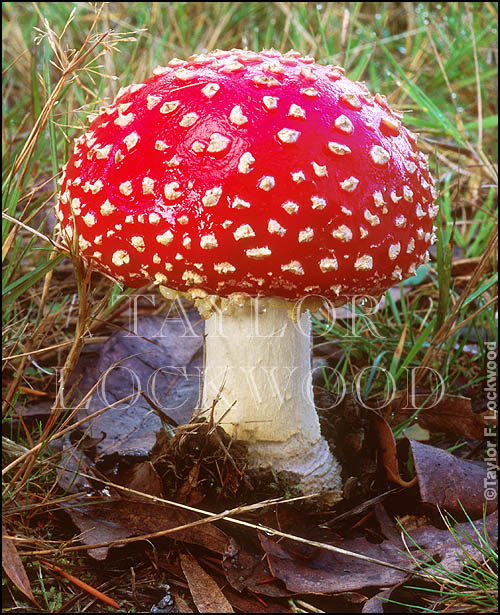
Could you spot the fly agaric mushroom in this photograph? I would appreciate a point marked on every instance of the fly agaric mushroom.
(250, 181)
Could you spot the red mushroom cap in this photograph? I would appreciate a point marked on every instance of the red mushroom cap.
(250, 172)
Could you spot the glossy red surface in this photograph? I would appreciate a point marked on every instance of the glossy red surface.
(256, 173)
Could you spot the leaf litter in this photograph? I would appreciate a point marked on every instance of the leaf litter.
(139, 450)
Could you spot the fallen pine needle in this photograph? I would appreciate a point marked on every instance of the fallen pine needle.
(29, 390)
(82, 585)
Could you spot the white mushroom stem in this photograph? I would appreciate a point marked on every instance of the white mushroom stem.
(258, 380)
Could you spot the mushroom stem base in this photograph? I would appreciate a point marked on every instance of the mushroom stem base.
(309, 465)
(258, 381)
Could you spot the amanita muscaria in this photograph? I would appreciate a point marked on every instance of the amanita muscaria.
(249, 181)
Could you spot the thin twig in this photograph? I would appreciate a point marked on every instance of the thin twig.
(31, 230)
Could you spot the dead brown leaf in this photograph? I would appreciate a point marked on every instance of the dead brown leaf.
(443, 547)
(141, 477)
(14, 568)
(388, 451)
(245, 570)
(331, 573)
(135, 518)
(376, 603)
(96, 531)
(250, 604)
(452, 414)
(325, 572)
(448, 482)
(156, 356)
(205, 592)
